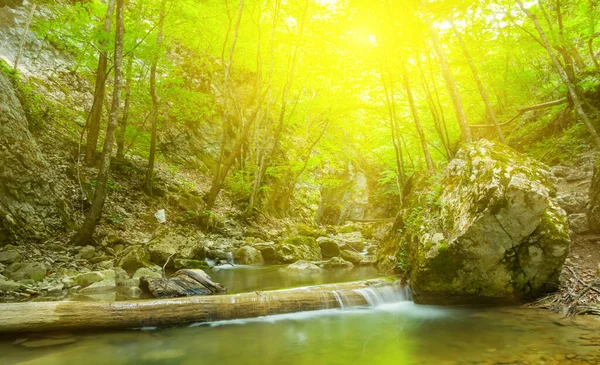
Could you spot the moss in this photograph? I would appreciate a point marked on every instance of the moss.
(301, 241)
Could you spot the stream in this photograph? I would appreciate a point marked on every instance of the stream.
(392, 330)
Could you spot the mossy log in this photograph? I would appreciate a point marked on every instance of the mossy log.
(86, 316)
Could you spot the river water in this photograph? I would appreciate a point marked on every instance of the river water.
(392, 331)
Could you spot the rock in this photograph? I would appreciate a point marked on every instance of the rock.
(180, 243)
(26, 271)
(485, 230)
(9, 285)
(103, 286)
(594, 200)
(9, 254)
(248, 255)
(303, 266)
(144, 271)
(579, 223)
(352, 256)
(189, 264)
(88, 278)
(337, 263)
(126, 287)
(87, 252)
(297, 248)
(573, 202)
(267, 250)
(308, 231)
(351, 241)
(133, 258)
(191, 203)
(329, 247)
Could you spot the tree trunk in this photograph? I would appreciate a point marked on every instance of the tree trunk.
(391, 104)
(461, 117)
(152, 155)
(415, 114)
(480, 86)
(123, 125)
(572, 91)
(93, 125)
(87, 316)
(84, 235)
(434, 112)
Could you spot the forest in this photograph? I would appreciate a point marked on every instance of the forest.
(387, 170)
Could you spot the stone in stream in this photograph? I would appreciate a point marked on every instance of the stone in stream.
(248, 255)
(352, 256)
(487, 230)
(9, 285)
(302, 267)
(133, 258)
(181, 243)
(329, 247)
(337, 263)
(297, 248)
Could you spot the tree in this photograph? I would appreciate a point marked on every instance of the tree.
(93, 124)
(84, 235)
(152, 156)
(563, 75)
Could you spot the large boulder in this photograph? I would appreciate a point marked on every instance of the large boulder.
(297, 248)
(488, 229)
(134, 258)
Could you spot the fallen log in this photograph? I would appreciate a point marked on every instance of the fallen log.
(84, 316)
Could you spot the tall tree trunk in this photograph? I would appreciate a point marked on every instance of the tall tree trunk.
(434, 112)
(219, 177)
(84, 235)
(390, 101)
(572, 91)
(93, 125)
(415, 115)
(122, 130)
(152, 156)
(480, 86)
(461, 117)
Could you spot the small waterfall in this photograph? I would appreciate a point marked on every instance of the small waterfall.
(384, 294)
(338, 298)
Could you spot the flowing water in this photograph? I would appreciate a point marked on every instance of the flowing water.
(390, 330)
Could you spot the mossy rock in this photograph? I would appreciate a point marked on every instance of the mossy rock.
(133, 258)
(485, 229)
(297, 248)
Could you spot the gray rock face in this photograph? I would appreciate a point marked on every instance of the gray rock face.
(134, 258)
(29, 206)
(9, 285)
(345, 202)
(487, 229)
